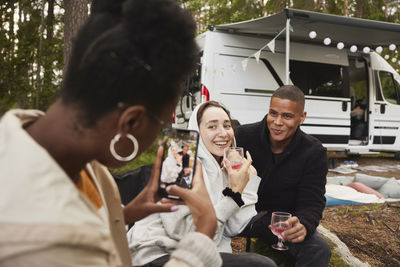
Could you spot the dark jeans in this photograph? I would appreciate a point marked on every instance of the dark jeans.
(229, 260)
(314, 251)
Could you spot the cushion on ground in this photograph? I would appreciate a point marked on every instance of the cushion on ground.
(340, 180)
(391, 189)
(350, 194)
(364, 189)
(375, 182)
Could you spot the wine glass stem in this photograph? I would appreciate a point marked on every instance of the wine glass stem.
(280, 244)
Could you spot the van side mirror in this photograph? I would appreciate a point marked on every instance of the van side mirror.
(383, 108)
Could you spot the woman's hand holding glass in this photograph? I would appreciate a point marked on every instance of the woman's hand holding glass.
(235, 156)
(239, 178)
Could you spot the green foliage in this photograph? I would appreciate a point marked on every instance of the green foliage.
(21, 22)
(20, 32)
(215, 12)
(335, 7)
(275, 6)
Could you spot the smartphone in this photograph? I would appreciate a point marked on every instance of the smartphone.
(179, 159)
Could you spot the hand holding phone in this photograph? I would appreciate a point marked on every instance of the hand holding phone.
(179, 160)
(146, 202)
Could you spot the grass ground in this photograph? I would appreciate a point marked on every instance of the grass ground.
(147, 157)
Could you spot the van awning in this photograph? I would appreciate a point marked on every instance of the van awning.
(350, 31)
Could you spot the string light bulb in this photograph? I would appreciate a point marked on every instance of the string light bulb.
(353, 48)
(312, 34)
(366, 50)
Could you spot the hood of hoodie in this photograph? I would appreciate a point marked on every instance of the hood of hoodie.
(214, 177)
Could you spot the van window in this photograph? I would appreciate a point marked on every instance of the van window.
(379, 96)
(258, 78)
(319, 79)
(390, 87)
(358, 76)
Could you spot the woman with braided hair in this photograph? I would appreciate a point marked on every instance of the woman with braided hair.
(59, 205)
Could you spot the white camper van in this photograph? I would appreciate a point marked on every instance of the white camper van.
(352, 98)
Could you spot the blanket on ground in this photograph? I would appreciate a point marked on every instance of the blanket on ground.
(340, 190)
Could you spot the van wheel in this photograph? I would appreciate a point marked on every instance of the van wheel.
(397, 155)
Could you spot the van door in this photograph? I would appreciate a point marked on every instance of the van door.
(386, 111)
(359, 96)
(326, 89)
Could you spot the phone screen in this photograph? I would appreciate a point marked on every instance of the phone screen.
(179, 159)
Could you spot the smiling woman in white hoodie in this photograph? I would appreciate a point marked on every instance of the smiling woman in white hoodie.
(232, 192)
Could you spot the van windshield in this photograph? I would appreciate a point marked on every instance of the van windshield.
(390, 87)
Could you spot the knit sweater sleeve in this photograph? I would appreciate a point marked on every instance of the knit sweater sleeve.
(196, 250)
(310, 201)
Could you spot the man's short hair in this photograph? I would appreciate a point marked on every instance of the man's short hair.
(291, 92)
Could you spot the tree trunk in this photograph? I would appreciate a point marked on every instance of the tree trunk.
(47, 64)
(262, 7)
(76, 13)
(11, 22)
(50, 20)
(346, 8)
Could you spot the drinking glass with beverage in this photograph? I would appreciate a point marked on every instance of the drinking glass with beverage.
(235, 156)
(279, 224)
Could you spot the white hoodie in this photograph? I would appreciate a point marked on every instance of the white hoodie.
(170, 167)
(158, 234)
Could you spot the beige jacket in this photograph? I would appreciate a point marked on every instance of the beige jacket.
(46, 221)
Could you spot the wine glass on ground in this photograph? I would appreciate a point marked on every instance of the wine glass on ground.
(235, 156)
(278, 225)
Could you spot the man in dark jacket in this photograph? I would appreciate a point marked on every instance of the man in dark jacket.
(293, 168)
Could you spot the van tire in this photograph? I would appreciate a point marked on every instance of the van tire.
(397, 155)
